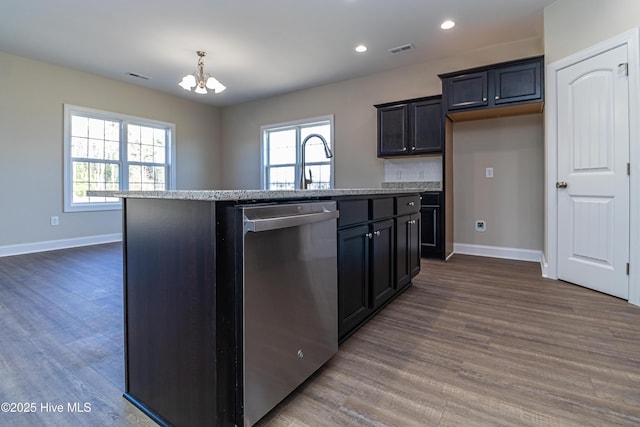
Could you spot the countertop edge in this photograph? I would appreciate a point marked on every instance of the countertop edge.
(237, 195)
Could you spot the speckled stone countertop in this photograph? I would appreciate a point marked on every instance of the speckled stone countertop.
(422, 185)
(232, 195)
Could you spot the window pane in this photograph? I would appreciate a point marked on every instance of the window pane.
(93, 176)
(112, 150)
(111, 131)
(159, 137)
(159, 154)
(321, 176)
(282, 147)
(147, 153)
(281, 178)
(79, 126)
(146, 178)
(79, 147)
(96, 149)
(146, 135)
(96, 128)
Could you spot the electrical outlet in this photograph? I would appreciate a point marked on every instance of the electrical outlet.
(481, 225)
(55, 220)
(488, 173)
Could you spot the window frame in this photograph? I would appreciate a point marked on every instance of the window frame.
(123, 163)
(296, 125)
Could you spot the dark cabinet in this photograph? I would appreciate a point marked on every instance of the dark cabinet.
(382, 248)
(412, 127)
(369, 242)
(498, 85)
(431, 231)
(408, 249)
(353, 278)
(518, 83)
(466, 91)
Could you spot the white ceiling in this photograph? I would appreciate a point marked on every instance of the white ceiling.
(257, 48)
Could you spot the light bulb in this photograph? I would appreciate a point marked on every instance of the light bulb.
(215, 85)
(188, 82)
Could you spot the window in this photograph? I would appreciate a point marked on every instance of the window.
(282, 154)
(108, 151)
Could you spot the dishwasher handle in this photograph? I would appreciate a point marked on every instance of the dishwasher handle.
(274, 223)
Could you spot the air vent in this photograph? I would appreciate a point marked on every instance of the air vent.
(402, 48)
(139, 76)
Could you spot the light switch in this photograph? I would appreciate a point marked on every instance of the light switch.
(488, 173)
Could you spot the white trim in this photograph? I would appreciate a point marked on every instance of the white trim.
(498, 252)
(631, 39)
(544, 266)
(52, 245)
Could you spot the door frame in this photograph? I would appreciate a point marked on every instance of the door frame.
(631, 39)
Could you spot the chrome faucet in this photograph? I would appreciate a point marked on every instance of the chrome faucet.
(327, 151)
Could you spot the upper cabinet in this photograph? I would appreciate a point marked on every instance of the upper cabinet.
(508, 88)
(409, 128)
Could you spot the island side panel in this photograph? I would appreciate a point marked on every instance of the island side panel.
(170, 309)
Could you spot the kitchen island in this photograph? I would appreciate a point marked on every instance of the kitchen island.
(184, 291)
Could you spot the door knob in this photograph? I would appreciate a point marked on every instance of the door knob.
(561, 184)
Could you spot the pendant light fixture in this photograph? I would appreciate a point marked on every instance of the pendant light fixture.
(199, 81)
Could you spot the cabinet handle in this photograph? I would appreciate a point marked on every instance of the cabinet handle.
(377, 233)
(411, 204)
(413, 148)
(404, 148)
(484, 99)
(497, 97)
(369, 235)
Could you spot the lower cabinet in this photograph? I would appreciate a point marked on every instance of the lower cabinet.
(365, 272)
(353, 278)
(431, 245)
(378, 255)
(408, 249)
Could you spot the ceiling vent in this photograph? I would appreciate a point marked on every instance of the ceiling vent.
(138, 76)
(402, 48)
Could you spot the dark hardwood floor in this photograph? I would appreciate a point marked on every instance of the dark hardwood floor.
(475, 341)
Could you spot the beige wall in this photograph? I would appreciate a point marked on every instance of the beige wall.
(351, 102)
(356, 164)
(32, 95)
(573, 25)
(511, 202)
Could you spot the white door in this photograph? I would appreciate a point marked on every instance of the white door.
(593, 152)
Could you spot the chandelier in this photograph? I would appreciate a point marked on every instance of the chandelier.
(201, 80)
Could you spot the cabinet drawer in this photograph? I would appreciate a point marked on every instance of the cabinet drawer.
(380, 208)
(430, 199)
(352, 212)
(407, 204)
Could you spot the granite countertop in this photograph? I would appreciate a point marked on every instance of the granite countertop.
(232, 195)
(421, 185)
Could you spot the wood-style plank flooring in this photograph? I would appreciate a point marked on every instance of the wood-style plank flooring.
(474, 341)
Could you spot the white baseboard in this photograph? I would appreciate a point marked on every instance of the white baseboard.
(498, 252)
(52, 245)
(544, 266)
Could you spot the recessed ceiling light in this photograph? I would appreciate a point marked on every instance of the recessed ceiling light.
(360, 48)
(447, 25)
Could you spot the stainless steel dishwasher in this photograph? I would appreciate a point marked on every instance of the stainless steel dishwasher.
(290, 299)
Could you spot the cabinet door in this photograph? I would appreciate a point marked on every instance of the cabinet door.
(414, 245)
(407, 249)
(466, 91)
(382, 258)
(430, 243)
(518, 83)
(392, 130)
(403, 238)
(353, 278)
(426, 126)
